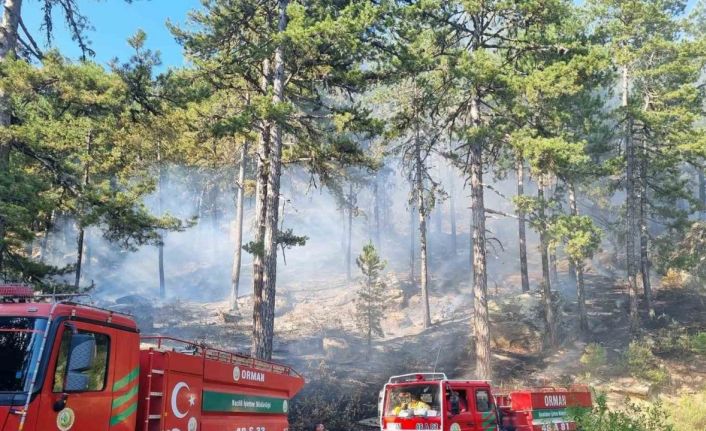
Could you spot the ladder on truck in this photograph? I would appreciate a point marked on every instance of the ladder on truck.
(154, 398)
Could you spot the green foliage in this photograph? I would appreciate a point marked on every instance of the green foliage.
(643, 364)
(581, 236)
(663, 60)
(686, 252)
(688, 412)
(549, 155)
(697, 343)
(370, 303)
(324, 46)
(673, 339)
(631, 417)
(593, 358)
(73, 151)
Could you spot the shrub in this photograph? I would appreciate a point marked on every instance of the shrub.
(698, 343)
(593, 358)
(688, 412)
(631, 418)
(674, 279)
(643, 364)
(673, 339)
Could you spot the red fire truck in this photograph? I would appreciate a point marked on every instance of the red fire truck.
(69, 366)
(430, 401)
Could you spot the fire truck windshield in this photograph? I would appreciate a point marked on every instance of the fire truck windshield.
(20, 339)
(414, 400)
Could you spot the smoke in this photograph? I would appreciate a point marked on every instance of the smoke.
(197, 261)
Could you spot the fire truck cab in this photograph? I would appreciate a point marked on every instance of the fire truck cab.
(74, 367)
(430, 401)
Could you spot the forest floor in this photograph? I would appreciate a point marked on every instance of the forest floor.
(317, 335)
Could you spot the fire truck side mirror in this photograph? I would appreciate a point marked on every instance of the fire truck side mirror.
(60, 403)
(82, 354)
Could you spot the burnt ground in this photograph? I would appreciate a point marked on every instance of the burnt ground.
(315, 334)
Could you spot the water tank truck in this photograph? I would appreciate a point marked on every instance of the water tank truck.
(430, 401)
(69, 366)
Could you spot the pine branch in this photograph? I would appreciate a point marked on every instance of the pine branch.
(35, 48)
(501, 213)
(77, 25)
(54, 166)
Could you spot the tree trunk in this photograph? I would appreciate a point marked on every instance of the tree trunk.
(81, 228)
(12, 10)
(349, 232)
(472, 241)
(263, 154)
(44, 249)
(630, 204)
(162, 282)
(376, 212)
(521, 225)
(452, 214)
(412, 229)
(552, 252)
(578, 270)
(272, 200)
(8, 44)
(644, 238)
(702, 193)
(79, 256)
(160, 246)
(481, 321)
(369, 288)
(422, 210)
(549, 320)
(238, 251)
(344, 232)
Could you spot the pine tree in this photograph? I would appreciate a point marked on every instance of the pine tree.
(284, 57)
(659, 69)
(414, 135)
(552, 97)
(17, 42)
(73, 140)
(370, 303)
(582, 239)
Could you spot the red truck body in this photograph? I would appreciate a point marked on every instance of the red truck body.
(163, 384)
(430, 401)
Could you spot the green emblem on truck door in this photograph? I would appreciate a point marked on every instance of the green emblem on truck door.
(65, 419)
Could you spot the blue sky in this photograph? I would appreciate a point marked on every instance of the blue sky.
(116, 20)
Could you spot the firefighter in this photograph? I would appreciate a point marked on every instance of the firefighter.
(403, 401)
(409, 401)
(417, 404)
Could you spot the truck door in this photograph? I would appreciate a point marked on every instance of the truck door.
(463, 419)
(77, 391)
(484, 409)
